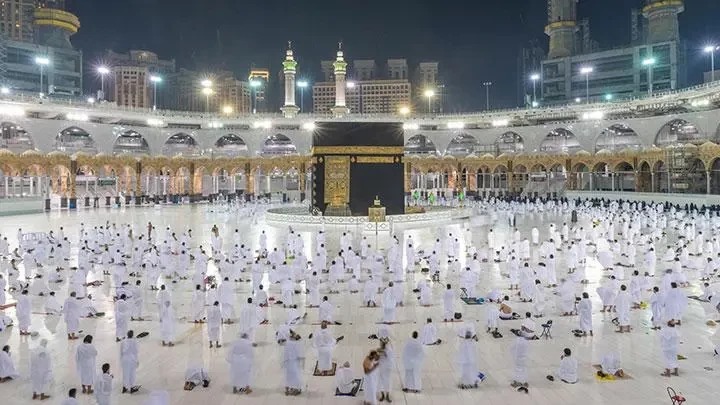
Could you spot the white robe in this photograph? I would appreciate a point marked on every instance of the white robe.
(568, 370)
(670, 344)
(519, 351)
(293, 364)
(413, 356)
(40, 371)
(214, 322)
(103, 388)
(7, 368)
(129, 360)
(324, 343)
(467, 362)
(85, 361)
(167, 324)
(241, 359)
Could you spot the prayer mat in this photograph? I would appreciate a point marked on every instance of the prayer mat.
(681, 357)
(473, 301)
(6, 306)
(388, 323)
(697, 298)
(357, 386)
(142, 335)
(317, 372)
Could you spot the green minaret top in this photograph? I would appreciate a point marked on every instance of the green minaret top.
(340, 65)
(289, 64)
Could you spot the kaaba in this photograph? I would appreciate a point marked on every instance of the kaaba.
(355, 162)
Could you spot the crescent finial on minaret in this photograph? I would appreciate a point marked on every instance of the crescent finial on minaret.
(289, 44)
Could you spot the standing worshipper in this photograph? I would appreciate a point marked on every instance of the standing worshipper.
(85, 361)
(167, 324)
(675, 304)
(241, 358)
(448, 302)
(22, 311)
(198, 304)
(71, 312)
(670, 344)
(40, 371)
(519, 352)
(387, 364)
(214, 322)
(467, 360)
(656, 307)
(389, 304)
(413, 356)
(585, 314)
(129, 359)
(103, 385)
(293, 359)
(623, 303)
(7, 368)
(324, 343)
(122, 316)
(370, 386)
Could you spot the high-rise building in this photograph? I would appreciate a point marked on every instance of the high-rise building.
(363, 69)
(233, 95)
(326, 66)
(397, 69)
(130, 84)
(529, 63)
(185, 92)
(259, 79)
(427, 78)
(365, 97)
(617, 72)
(16, 19)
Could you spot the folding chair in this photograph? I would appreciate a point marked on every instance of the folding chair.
(674, 397)
(547, 330)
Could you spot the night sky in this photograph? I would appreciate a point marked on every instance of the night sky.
(474, 40)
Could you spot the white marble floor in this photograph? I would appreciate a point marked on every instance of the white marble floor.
(163, 368)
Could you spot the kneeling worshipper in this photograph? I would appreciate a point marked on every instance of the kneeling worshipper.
(429, 334)
(7, 368)
(568, 368)
(347, 384)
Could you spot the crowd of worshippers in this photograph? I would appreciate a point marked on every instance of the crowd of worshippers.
(134, 262)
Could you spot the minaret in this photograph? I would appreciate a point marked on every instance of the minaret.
(662, 18)
(340, 67)
(562, 24)
(289, 109)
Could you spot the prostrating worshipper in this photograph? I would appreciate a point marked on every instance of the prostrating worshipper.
(429, 334)
(293, 360)
(71, 398)
(241, 358)
(387, 364)
(85, 360)
(214, 322)
(568, 367)
(130, 360)
(389, 303)
(413, 356)
(194, 376)
(7, 368)
(610, 365)
(448, 303)
(467, 360)
(670, 344)
(167, 324)
(103, 385)
(41, 371)
(585, 314)
(370, 366)
(623, 304)
(345, 383)
(519, 352)
(324, 343)
(22, 312)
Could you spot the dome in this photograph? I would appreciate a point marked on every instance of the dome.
(420, 145)
(278, 144)
(181, 144)
(14, 138)
(462, 145)
(509, 142)
(131, 142)
(230, 145)
(75, 139)
(558, 141)
(679, 131)
(618, 137)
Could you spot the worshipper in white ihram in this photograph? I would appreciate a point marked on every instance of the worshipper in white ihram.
(345, 382)
(241, 358)
(387, 364)
(85, 360)
(7, 368)
(71, 399)
(130, 360)
(41, 371)
(467, 361)
(293, 360)
(413, 356)
(568, 367)
(103, 385)
(167, 324)
(670, 344)
(214, 322)
(324, 343)
(370, 369)
(519, 352)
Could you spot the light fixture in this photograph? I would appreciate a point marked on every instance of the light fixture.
(710, 48)
(535, 104)
(228, 109)
(608, 97)
(302, 84)
(215, 124)
(154, 122)
(262, 124)
(91, 100)
(255, 83)
(586, 70)
(593, 115)
(207, 83)
(578, 99)
(456, 125)
(404, 110)
(500, 123)
(5, 90)
(429, 93)
(534, 77)
(103, 70)
(308, 126)
(207, 91)
(350, 85)
(410, 126)
(649, 61)
(155, 79)
(42, 60)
